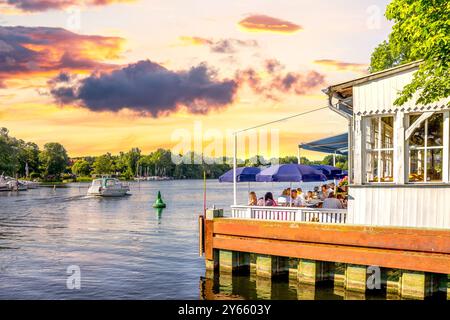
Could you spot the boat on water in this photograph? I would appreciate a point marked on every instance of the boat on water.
(108, 187)
(30, 184)
(11, 184)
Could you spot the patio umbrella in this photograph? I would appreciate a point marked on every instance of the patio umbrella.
(329, 171)
(342, 175)
(290, 173)
(243, 174)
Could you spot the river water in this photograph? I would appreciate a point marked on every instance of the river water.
(122, 247)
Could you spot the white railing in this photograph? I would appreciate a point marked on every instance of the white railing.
(289, 214)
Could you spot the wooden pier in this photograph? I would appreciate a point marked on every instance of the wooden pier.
(412, 263)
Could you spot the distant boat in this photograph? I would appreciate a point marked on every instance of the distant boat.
(30, 184)
(3, 184)
(108, 187)
(11, 184)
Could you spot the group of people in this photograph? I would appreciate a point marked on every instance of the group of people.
(328, 196)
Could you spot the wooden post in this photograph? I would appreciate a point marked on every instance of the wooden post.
(311, 272)
(356, 278)
(230, 261)
(268, 266)
(416, 285)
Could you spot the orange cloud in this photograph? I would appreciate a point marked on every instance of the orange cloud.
(263, 23)
(44, 5)
(343, 66)
(194, 41)
(41, 51)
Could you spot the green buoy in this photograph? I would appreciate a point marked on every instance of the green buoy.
(159, 203)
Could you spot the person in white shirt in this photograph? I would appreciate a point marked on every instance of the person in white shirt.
(332, 203)
(324, 193)
(301, 195)
(297, 201)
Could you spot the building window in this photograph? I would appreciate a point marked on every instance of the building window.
(426, 149)
(379, 157)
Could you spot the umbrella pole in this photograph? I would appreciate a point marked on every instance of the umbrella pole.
(290, 198)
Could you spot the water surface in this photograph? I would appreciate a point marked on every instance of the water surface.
(124, 248)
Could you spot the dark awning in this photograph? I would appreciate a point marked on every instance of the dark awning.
(337, 144)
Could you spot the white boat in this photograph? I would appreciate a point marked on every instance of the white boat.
(108, 187)
(30, 184)
(4, 186)
(11, 184)
(16, 185)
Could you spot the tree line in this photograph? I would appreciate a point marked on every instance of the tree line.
(19, 158)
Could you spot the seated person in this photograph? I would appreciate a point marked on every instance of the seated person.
(296, 201)
(283, 200)
(268, 199)
(252, 199)
(324, 193)
(332, 203)
(309, 196)
(343, 200)
(261, 202)
(332, 187)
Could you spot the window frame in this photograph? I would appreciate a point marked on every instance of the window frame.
(426, 148)
(379, 149)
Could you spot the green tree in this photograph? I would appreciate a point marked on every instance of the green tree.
(131, 160)
(27, 154)
(81, 168)
(53, 159)
(421, 31)
(8, 155)
(104, 164)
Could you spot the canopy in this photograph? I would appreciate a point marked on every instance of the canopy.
(337, 144)
(243, 174)
(290, 173)
(330, 171)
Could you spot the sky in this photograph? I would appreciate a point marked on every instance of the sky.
(107, 75)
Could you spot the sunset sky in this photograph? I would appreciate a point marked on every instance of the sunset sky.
(109, 75)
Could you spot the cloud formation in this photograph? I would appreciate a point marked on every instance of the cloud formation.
(263, 23)
(26, 51)
(148, 89)
(343, 66)
(275, 80)
(219, 46)
(44, 5)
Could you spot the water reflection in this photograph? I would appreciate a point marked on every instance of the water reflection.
(159, 212)
(225, 286)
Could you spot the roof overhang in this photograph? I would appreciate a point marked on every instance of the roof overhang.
(340, 95)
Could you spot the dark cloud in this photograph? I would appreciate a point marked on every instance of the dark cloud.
(263, 23)
(26, 51)
(219, 46)
(44, 5)
(149, 89)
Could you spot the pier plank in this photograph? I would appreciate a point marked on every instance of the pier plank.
(398, 238)
(425, 250)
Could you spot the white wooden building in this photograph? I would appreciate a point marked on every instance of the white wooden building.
(398, 155)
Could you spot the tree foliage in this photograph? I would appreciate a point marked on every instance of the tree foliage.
(421, 31)
(53, 159)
